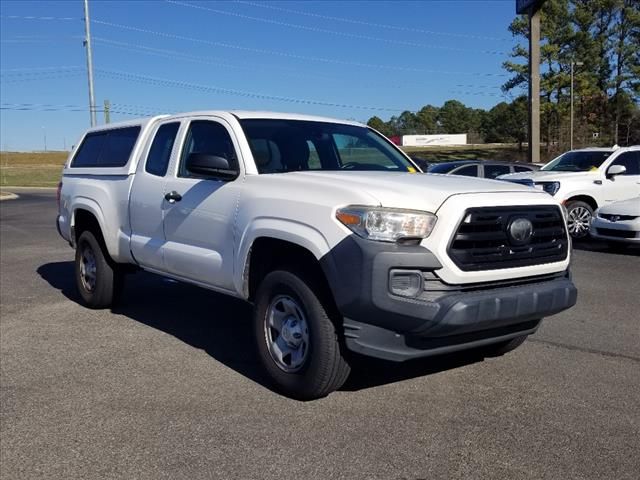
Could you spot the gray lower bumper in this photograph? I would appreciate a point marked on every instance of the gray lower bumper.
(466, 320)
(439, 318)
(388, 345)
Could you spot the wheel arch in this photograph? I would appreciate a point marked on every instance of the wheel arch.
(588, 199)
(87, 215)
(269, 253)
(282, 232)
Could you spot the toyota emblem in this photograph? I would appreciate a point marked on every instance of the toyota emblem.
(520, 231)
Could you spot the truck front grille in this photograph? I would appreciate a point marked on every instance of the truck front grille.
(483, 240)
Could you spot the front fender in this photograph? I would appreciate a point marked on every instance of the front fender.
(579, 191)
(302, 234)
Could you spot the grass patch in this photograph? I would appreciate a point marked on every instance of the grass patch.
(31, 175)
(33, 158)
(31, 169)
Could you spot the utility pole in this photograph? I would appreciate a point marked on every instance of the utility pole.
(534, 86)
(577, 64)
(44, 133)
(532, 9)
(107, 111)
(87, 44)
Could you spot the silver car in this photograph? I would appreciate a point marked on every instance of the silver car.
(618, 222)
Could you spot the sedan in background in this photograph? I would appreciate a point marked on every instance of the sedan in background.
(480, 168)
(618, 222)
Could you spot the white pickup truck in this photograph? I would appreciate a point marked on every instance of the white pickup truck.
(326, 227)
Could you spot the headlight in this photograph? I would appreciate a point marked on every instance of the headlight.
(386, 224)
(550, 187)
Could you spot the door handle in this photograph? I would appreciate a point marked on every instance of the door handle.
(173, 197)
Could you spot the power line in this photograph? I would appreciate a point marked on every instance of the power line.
(39, 73)
(228, 91)
(334, 32)
(478, 86)
(31, 17)
(176, 55)
(291, 55)
(371, 24)
(477, 93)
(63, 108)
(51, 76)
(34, 69)
(39, 39)
(289, 72)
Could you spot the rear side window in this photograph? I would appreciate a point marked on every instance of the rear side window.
(468, 171)
(493, 171)
(160, 151)
(109, 148)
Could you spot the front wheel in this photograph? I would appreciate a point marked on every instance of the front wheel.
(578, 219)
(297, 342)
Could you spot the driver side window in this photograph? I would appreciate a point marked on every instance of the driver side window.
(209, 137)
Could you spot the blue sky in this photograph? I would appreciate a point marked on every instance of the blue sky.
(341, 59)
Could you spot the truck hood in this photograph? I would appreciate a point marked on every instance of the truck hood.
(407, 190)
(542, 176)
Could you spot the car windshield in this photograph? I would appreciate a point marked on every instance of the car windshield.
(442, 167)
(577, 161)
(293, 145)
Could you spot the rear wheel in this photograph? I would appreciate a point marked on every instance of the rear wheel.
(97, 279)
(578, 219)
(297, 341)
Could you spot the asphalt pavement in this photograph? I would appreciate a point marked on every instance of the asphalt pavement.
(167, 385)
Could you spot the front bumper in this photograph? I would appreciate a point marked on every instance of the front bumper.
(440, 317)
(627, 231)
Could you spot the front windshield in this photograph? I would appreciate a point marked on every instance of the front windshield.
(294, 145)
(577, 161)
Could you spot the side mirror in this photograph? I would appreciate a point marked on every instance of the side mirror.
(210, 166)
(616, 170)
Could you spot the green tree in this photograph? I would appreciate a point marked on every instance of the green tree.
(378, 124)
(604, 36)
(506, 122)
(408, 123)
(427, 119)
(455, 117)
(625, 53)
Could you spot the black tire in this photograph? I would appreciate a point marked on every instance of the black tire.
(324, 369)
(502, 348)
(575, 207)
(108, 279)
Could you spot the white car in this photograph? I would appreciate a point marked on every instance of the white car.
(618, 222)
(325, 227)
(585, 180)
